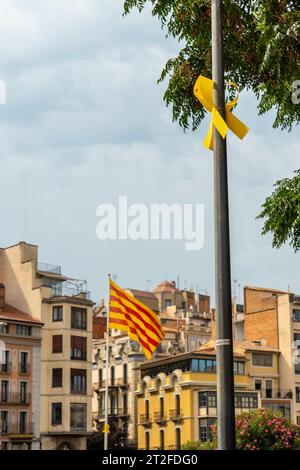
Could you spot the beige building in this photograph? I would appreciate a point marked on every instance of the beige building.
(124, 358)
(63, 306)
(274, 317)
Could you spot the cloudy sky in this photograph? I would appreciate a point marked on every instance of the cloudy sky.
(85, 122)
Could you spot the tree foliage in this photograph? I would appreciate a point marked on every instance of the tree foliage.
(262, 52)
(282, 213)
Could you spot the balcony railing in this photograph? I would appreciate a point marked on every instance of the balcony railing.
(175, 415)
(77, 426)
(5, 368)
(120, 382)
(24, 369)
(159, 418)
(114, 412)
(15, 398)
(145, 419)
(49, 268)
(8, 428)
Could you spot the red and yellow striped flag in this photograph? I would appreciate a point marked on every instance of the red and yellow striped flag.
(128, 314)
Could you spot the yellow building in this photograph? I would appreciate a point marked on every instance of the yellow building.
(177, 399)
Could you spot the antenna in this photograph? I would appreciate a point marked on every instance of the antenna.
(149, 282)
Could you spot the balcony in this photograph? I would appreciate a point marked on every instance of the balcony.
(114, 383)
(145, 420)
(114, 413)
(49, 268)
(5, 368)
(17, 429)
(15, 398)
(24, 369)
(175, 415)
(160, 419)
(77, 426)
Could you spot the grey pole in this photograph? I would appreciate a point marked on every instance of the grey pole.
(224, 346)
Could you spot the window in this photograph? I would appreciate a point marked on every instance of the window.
(56, 414)
(296, 315)
(161, 407)
(239, 367)
(4, 328)
(57, 344)
(5, 362)
(78, 381)
(298, 420)
(168, 303)
(202, 400)
(297, 368)
(262, 360)
(204, 365)
(177, 405)
(125, 373)
(78, 318)
(297, 394)
(78, 348)
(24, 362)
(78, 417)
(100, 377)
(297, 340)
(269, 389)
(147, 410)
(207, 400)
(57, 313)
(162, 439)
(23, 422)
(4, 422)
(125, 403)
(178, 438)
(23, 330)
(112, 375)
(57, 378)
(212, 401)
(24, 392)
(258, 385)
(245, 401)
(147, 440)
(203, 430)
(4, 391)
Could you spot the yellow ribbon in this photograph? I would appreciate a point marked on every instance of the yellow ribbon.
(203, 90)
(106, 428)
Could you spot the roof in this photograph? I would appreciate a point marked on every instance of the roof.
(239, 347)
(10, 313)
(142, 293)
(267, 289)
(166, 286)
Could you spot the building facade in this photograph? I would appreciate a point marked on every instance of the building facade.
(185, 319)
(20, 355)
(177, 397)
(63, 306)
(274, 317)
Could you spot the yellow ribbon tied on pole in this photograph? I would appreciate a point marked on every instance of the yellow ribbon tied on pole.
(203, 90)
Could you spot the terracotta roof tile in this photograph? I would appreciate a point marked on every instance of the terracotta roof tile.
(11, 313)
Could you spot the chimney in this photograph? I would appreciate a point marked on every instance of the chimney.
(2, 295)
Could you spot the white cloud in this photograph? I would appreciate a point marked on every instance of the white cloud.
(85, 122)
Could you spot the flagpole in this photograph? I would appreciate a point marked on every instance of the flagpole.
(106, 431)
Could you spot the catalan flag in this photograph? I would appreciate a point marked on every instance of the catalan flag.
(128, 314)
